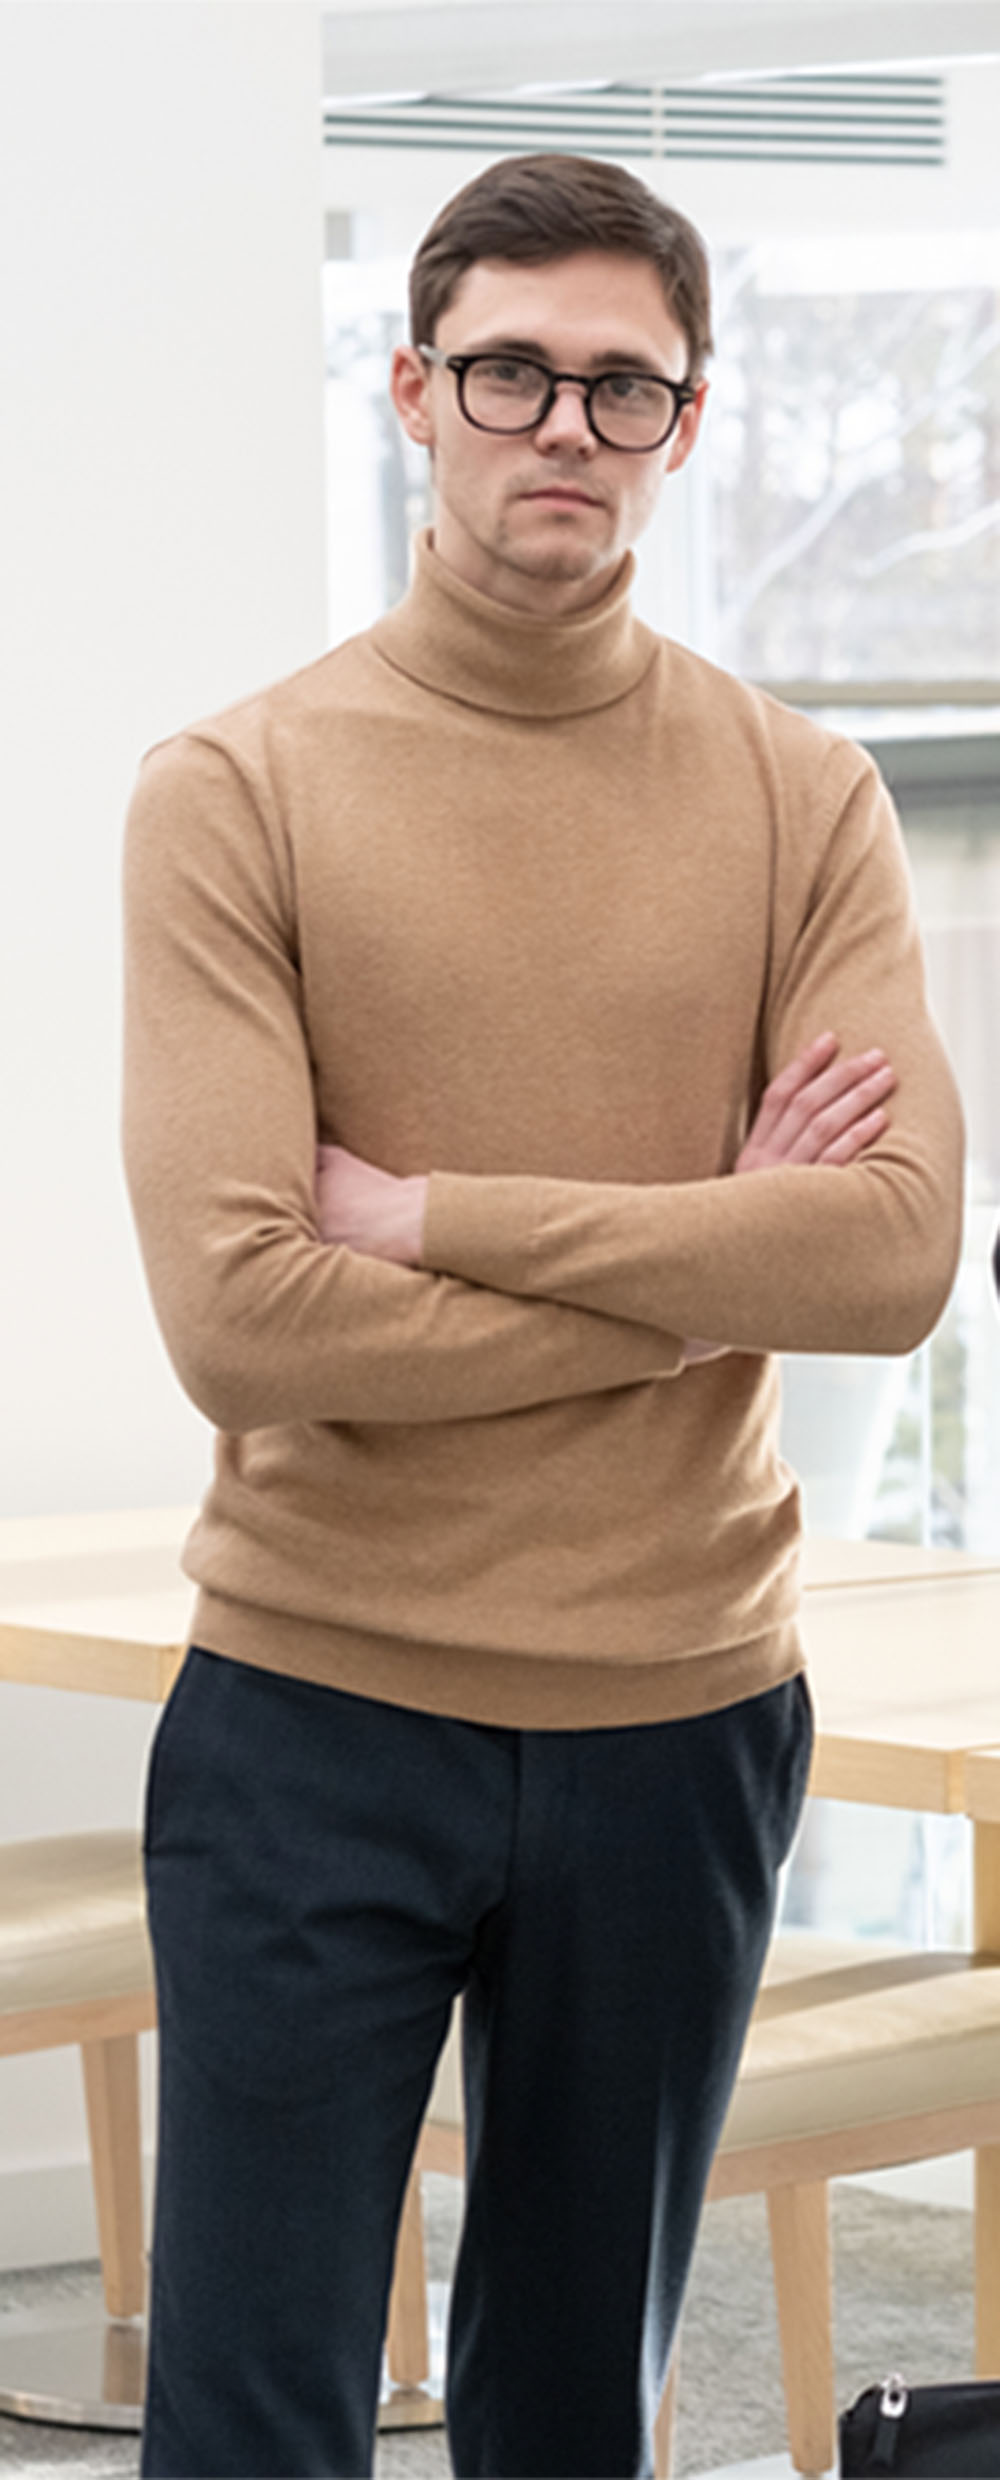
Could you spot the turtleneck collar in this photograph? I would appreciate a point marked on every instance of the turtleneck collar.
(451, 638)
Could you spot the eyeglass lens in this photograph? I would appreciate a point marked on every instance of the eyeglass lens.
(627, 409)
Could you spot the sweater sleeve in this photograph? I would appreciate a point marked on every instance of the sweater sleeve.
(797, 1259)
(263, 1321)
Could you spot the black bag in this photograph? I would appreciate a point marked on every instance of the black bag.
(923, 2430)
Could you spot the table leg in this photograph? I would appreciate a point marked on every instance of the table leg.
(986, 1885)
(111, 2085)
(799, 2219)
(407, 2399)
(663, 2429)
(987, 2260)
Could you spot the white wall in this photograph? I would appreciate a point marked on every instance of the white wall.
(477, 45)
(162, 523)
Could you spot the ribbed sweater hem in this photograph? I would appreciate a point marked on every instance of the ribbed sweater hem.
(514, 1691)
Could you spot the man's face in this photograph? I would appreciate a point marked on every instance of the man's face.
(541, 519)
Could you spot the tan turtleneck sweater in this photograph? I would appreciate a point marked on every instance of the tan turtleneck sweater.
(537, 907)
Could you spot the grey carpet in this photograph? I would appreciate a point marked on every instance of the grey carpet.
(904, 2299)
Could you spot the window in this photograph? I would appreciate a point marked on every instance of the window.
(378, 492)
(854, 468)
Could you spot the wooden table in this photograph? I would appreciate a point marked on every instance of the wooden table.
(903, 1646)
(99, 1603)
(95, 1602)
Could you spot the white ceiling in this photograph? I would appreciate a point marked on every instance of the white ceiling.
(394, 46)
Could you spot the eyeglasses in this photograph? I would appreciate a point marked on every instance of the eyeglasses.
(505, 392)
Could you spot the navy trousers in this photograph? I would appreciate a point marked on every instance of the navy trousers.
(326, 1874)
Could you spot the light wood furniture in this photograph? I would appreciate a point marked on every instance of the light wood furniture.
(858, 2057)
(827, 1563)
(982, 1804)
(906, 1683)
(902, 1652)
(99, 1602)
(95, 1602)
(856, 2060)
(76, 1969)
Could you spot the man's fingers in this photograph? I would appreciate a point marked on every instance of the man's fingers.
(846, 1148)
(791, 1081)
(822, 1116)
(806, 1064)
(830, 1083)
(812, 1110)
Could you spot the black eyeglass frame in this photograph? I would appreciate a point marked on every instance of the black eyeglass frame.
(680, 390)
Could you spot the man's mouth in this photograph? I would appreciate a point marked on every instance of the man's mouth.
(565, 494)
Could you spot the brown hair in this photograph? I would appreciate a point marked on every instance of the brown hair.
(534, 208)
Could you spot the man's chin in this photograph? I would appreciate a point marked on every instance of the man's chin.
(557, 551)
(559, 560)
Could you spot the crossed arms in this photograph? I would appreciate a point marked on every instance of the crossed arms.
(511, 1292)
(820, 1109)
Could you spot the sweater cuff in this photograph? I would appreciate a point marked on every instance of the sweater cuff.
(480, 1230)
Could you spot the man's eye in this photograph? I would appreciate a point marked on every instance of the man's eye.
(624, 385)
(509, 374)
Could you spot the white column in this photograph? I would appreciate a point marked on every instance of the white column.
(161, 552)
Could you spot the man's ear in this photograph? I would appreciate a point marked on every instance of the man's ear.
(687, 431)
(409, 388)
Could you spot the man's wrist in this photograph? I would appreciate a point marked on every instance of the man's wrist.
(415, 1208)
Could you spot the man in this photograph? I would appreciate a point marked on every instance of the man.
(590, 972)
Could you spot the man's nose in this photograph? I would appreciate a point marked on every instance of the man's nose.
(566, 421)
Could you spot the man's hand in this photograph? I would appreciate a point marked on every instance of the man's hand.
(368, 1210)
(820, 1109)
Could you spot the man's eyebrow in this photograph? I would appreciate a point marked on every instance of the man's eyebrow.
(531, 351)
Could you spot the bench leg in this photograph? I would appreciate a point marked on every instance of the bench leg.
(800, 2253)
(406, 2336)
(111, 2085)
(663, 2426)
(987, 2249)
